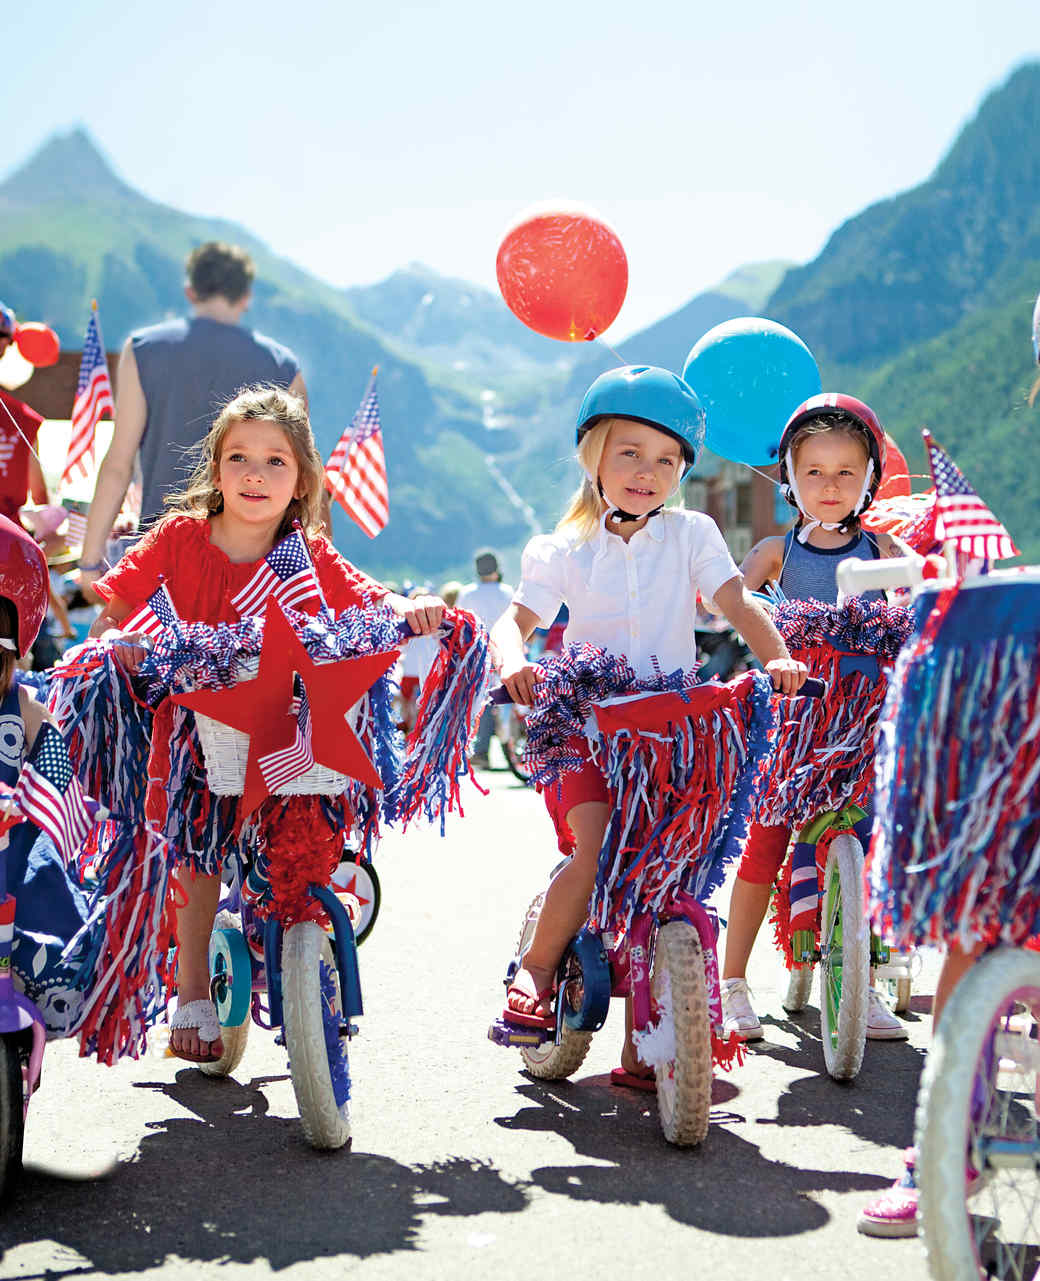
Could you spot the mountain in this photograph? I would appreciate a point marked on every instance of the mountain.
(921, 305)
(71, 229)
(911, 267)
(453, 324)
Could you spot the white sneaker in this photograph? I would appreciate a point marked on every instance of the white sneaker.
(882, 1024)
(737, 1014)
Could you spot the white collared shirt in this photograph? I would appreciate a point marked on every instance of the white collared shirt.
(636, 598)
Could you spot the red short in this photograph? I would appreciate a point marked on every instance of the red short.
(764, 854)
(409, 686)
(586, 784)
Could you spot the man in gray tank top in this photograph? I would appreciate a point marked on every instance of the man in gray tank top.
(173, 378)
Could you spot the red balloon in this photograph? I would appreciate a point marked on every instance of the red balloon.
(564, 274)
(37, 343)
(895, 479)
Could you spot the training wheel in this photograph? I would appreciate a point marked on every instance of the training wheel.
(231, 976)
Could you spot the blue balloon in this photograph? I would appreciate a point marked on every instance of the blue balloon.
(750, 375)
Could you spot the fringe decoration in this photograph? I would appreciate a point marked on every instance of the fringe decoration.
(294, 842)
(120, 958)
(571, 683)
(452, 697)
(956, 850)
(656, 1046)
(106, 726)
(680, 794)
(822, 757)
(780, 914)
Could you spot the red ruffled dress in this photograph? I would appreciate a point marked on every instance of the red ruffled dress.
(202, 581)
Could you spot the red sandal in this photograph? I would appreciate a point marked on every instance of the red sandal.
(544, 997)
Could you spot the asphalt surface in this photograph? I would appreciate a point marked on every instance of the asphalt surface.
(461, 1166)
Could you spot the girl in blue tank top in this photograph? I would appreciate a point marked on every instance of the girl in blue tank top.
(832, 454)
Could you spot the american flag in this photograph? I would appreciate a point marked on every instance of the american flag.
(288, 573)
(355, 475)
(280, 768)
(961, 517)
(157, 612)
(48, 793)
(93, 400)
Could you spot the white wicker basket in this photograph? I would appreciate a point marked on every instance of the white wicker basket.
(226, 751)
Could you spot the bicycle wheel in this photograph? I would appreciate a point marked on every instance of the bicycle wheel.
(844, 959)
(548, 1061)
(977, 1138)
(680, 994)
(312, 1014)
(232, 987)
(513, 744)
(799, 988)
(12, 1112)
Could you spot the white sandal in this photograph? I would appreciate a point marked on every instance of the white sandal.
(202, 1016)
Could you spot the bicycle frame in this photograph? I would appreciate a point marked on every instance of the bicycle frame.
(267, 978)
(17, 1012)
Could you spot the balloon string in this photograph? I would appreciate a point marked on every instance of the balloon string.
(617, 356)
(21, 433)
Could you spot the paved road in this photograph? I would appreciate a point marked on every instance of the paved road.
(461, 1166)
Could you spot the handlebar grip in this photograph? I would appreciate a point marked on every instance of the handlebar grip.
(858, 576)
(812, 687)
(500, 696)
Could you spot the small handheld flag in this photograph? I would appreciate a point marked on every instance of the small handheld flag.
(355, 474)
(287, 573)
(93, 400)
(961, 517)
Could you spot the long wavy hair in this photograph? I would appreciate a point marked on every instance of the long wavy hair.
(200, 496)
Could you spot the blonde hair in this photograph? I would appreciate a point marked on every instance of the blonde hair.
(449, 592)
(201, 498)
(586, 507)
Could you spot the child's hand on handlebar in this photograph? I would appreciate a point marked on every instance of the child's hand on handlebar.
(130, 648)
(787, 674)
(423, 614)
(520, 682)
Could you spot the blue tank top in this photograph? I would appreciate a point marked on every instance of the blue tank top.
(188, 370)
(811, 572)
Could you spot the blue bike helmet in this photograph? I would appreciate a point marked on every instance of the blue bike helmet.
(650, 395)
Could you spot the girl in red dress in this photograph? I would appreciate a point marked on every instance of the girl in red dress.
(260, 473)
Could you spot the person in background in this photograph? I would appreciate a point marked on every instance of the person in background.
(488, 598)
(21, 476)
(173, 380)
(450, 591)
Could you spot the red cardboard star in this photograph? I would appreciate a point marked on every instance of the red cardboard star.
(332, 690)
(260, 708)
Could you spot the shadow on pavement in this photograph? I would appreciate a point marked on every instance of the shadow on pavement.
(182, 1194)
(878, 1105)
(725, 1185)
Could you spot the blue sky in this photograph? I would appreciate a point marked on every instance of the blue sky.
(356, 138)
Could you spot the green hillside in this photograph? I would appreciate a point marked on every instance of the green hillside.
(72, 230)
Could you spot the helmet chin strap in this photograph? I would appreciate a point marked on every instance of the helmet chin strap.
(810, 522)
(620, 515)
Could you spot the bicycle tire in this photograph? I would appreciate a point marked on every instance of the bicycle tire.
(680, 991)
(318, 1062)
(12, 1112)
(799, 989)
(513, 745)
(961, 1108)
(844, 959)
(549, 1061)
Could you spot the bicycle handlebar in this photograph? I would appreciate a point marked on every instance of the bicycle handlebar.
(812, 687)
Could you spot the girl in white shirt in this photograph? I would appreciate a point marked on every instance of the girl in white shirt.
(629, 571)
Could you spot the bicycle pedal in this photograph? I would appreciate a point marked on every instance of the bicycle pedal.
(349, 1029)
(513, 1036)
